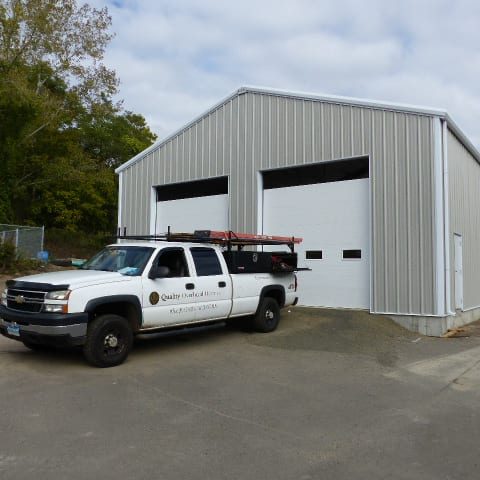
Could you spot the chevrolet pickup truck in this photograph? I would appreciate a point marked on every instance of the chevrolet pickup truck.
(137, 288)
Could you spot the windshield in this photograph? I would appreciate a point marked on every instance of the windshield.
(125, 260)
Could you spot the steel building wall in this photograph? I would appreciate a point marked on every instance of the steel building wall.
(464, 209)
(255, 131)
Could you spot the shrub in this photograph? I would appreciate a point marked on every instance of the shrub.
(65, 244)
(8, 255)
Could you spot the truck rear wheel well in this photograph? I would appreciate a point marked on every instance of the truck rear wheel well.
(277, 292)
(127, 308)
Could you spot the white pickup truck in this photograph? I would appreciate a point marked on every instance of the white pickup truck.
(138, 287)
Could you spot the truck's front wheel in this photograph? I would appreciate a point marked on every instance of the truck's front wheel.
(109, 341)
(267, 317)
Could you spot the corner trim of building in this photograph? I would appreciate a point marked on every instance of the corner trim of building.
(436, 326)
(120, 188)
(153, 210)
(446, 201)
(439, 212)
(259, 178)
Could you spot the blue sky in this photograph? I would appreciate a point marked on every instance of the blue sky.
(177, 58)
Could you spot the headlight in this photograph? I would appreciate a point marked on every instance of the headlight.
(58, 295)
(4, 298)
(55, 308)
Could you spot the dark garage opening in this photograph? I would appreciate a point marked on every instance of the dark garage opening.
(335, 171)
(197, 188)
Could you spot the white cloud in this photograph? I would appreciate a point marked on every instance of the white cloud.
(175, 59)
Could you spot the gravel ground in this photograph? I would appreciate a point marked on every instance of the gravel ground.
(331, 394)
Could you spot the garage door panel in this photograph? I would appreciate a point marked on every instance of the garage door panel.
(189, 214)
(331, 217)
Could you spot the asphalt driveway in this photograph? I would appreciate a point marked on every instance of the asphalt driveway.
(329, 395)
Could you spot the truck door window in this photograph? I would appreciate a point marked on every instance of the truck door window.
(174, 259)
(206, 261)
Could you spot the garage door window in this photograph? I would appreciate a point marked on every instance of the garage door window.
(314, 254)
(206, 261)
(352, 254)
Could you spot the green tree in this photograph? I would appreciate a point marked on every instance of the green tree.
(61, 134)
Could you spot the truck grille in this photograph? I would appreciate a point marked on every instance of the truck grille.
(25, 300)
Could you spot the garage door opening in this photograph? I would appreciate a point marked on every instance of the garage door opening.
(189, 206)
(328, 205)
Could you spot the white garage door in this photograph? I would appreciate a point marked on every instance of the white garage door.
(333, 219)
(194, 205)
(189, 214)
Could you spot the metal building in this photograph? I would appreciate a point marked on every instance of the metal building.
(386, 196)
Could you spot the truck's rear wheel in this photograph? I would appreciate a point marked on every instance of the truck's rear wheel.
(109, 341)
(267, 317)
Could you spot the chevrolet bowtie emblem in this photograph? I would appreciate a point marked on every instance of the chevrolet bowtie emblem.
(19, 299)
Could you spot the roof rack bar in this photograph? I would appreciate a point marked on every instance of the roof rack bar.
(224, 238)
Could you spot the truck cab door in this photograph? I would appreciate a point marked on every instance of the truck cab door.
(213, 285)
(168, 300)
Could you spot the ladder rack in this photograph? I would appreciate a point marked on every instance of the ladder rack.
(225, 238)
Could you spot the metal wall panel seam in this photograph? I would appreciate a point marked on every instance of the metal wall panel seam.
(371, 232)
(231, 152)
(352, 136)
(286, 135)
(373, 260)
(332, 132)
(217, 113)
(439, 220)
(136, 201)
(312, 108)
(147, 197)
(342, 132)
(420, 216)
(237, 167)
(181, 157)
(409, 220)
(322, 131)
(143, 197)
(385, 228)
(446, 225)
(395, 183)
(304, 150)
(261, 127)
(275, 160)
(270, 141)
(251, 162)
(295, 123)
(430, 152)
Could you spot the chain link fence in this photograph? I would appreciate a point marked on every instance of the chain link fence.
(27, 240)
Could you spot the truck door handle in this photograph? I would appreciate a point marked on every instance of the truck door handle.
(189, 286)
(222, 284)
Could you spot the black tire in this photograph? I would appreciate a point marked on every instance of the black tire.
(267, 317)
(109, 341)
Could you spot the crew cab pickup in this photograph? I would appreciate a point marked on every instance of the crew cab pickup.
(137, 288)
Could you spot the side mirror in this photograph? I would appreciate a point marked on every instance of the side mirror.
(78, 262)
(158, 272)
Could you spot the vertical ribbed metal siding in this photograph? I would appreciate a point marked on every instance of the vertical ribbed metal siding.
(464, 210)
(253, 131)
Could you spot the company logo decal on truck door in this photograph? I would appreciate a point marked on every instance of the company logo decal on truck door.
(154, 298)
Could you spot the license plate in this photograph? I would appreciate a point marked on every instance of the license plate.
(13, 330)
